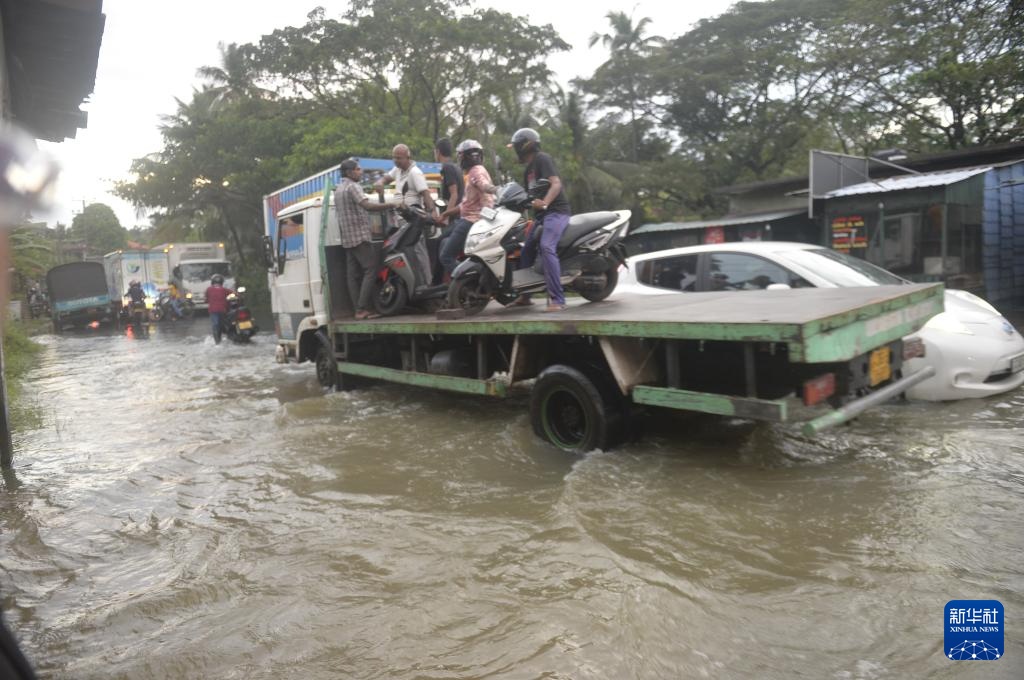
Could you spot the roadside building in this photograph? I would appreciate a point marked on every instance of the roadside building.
(955, 217)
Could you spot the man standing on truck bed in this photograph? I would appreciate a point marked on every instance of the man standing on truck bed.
(552, 212)
(411, 185)
(353, 210)
(452, 191)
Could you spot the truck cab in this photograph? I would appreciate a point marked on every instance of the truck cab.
(194, 264)
(296, 282)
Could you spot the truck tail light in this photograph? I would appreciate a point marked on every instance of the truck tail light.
(913, 348)
(817, 390)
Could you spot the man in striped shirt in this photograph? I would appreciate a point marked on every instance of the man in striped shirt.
(361, 256)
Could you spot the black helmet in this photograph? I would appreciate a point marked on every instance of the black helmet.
(470, 153)
(133, 283)
(217, 279)
(525, 141)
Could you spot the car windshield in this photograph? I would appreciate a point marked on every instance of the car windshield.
(839, 269)
(205, 271)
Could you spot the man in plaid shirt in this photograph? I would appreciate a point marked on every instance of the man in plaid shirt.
(361, 258)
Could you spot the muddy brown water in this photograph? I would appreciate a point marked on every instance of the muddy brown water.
(186, 510)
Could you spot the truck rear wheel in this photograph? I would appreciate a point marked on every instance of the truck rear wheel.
(573, 412)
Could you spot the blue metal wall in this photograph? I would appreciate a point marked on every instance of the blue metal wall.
(1003, 236)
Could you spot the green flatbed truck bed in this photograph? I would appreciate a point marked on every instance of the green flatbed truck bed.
(748, 355)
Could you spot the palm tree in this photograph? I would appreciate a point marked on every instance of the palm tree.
(628, 45)
(234, 79)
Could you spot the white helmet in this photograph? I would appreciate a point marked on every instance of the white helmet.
(470, 153)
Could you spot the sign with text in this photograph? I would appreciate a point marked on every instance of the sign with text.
(973, 630)
(849, 233)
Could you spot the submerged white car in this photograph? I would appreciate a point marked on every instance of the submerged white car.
(975, 351)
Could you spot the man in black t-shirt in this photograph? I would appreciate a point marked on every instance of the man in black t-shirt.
(552, 211)
(452, 182)
(453, 190)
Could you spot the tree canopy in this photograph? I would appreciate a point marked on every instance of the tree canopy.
(98, 227)
(657, 127)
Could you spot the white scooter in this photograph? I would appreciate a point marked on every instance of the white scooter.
(590, 253)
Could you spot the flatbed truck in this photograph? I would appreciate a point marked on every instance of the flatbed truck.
(819, 356)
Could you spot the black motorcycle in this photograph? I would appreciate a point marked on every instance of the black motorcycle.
(237, 324)
(402, 279)
(138, 317)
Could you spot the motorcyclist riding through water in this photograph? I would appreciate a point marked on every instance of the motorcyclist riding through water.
(137, 306)
(217, 301)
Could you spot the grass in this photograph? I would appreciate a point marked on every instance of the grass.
(20, 353)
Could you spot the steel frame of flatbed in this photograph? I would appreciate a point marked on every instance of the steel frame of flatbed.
(816, 325)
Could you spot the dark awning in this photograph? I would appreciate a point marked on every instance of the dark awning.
(52, 50)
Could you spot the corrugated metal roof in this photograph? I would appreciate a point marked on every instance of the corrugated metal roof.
(905, 182)
(758, 218)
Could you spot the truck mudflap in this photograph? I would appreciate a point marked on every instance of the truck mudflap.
(854, 408)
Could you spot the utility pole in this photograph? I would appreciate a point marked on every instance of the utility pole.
(6, 445)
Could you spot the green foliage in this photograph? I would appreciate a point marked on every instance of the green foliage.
(99, 228)
(656, 128)
(20, 353)
(31, 252)
(941, 74)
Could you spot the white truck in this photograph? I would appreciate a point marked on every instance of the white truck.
(293, 219)
(192, 265)
(149, 267)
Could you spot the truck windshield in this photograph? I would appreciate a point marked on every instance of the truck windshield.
(204, 271)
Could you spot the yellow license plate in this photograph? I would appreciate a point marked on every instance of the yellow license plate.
(878, 366)
(246, 325)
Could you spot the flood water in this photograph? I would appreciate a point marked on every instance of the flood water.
(186, 510)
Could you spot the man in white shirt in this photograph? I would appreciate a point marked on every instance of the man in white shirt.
(409, 180)
(411, 185)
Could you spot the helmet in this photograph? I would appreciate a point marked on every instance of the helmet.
(218, 279)
(470, 153)
(133, 283)
(525, 141)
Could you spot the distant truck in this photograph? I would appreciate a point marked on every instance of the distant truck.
(192, 265)
(79, 295)
(148, 267)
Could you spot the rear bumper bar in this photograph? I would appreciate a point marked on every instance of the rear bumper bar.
(855, 408)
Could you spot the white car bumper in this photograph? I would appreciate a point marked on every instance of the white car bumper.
(968, 366)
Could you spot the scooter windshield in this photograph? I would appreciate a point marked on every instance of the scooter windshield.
(511, 195)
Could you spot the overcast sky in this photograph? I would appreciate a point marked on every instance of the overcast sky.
(151, 50)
